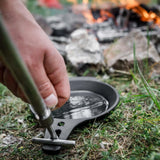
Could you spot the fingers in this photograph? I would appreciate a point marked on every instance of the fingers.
(2, 68)
(7, 79)
(56, 71)
(49, 74)
(43, 83)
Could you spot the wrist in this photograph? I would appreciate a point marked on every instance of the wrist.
(6, 5)
(11, 9)
(14, 11)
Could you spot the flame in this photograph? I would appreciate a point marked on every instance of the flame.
(147, 16)
(85, 1)
(128, 4)
(104, 15)
(133, 5)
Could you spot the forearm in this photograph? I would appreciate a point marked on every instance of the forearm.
(10, 6)
(16, 17)
(14, 10)
(44, 63)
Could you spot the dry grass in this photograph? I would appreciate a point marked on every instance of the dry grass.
(130, 132)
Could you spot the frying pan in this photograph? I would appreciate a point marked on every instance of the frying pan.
(89, 100)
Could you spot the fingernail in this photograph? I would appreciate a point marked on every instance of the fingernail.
(51, 101)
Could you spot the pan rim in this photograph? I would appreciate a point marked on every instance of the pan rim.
(94, 80)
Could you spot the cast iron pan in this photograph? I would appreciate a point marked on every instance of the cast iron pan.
(89, 99)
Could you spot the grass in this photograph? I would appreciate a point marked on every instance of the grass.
(130, 132)
(145, 83)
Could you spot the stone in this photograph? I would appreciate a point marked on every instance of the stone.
(44, 24)
(85, 41)
(60, 39)
(109, 35)
(61, 48)
(156, 42)
(105, 145)
(63, 25)
(60, 29)
(155, 72)
(120, 54)
(54, 19)
(83, 52)
(8, 140)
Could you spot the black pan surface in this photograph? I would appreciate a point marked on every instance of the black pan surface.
(89, 99)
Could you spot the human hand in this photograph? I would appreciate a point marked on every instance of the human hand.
(44, 63)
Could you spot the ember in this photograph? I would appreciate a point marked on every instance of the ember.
(131, 8)
(85, 26)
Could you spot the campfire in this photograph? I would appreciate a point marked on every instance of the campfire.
(87, 31)
(130, 11)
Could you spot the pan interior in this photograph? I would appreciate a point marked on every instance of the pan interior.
(82, 104)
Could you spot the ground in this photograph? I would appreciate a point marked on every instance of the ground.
(131, 131)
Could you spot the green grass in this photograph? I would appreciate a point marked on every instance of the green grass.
(149, 90)
(130, 132)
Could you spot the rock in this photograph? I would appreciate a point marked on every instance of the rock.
(155, 72)
(75, 21)
(83, 52)
(157, 44)
(105, 145)
(60, 29)
(120, 54)
(109, 35)
(44, 24)
(20, 120)
(54, 19)
(59, 39)
(61, 49)
(2, 136)
(63, 25)
(7, 140)
(85, 41)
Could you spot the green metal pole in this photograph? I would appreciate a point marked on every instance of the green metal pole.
(11, 57)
